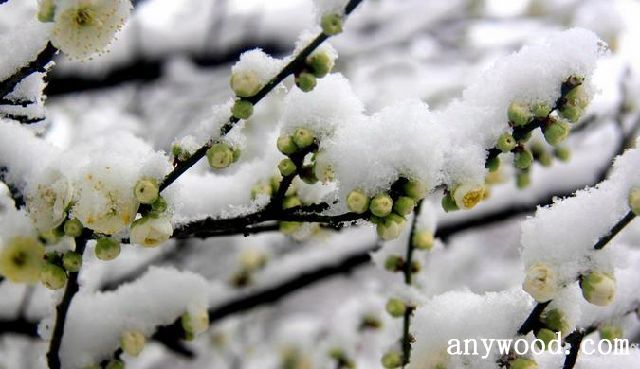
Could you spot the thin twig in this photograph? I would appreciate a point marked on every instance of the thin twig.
(72, 287)
(408, 276)
(619, 226)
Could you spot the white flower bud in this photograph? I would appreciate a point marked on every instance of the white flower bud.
(541, 282)
(194, 322)
(132, 342)
(151, 231)
(598, 288)
(245, 83)
(146, 190)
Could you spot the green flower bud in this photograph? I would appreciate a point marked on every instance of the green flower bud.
(370, 321)
(308, 175)
(546, 336)
(115, 364)
(562, 153)
(288, 228)
(492, 163)
(381, 205)
(541, 282)
(634, 200)
(245, 84)
(523, 179)
(287, 167)
(159, 206)
(394, 263)
(448, 203)
(321, 64)
(220, 155)
(577, 97)
(242, 109)
(571, 112)
(107, 248)
(195, 322)
(416, 267)
(306, 81)
(523, 158)
(404, 205)
(557, 321)
(388, 230)
(287, 145)
(132, 342)
(541, 110)
(331, 24)
(392, 360)
(545, 159)
(303, 138)
(46, 11)
(400, 220)
(519, 114)
(146, 190)
(291, 202)
(422, 240)
(556, 132)
(261, 189)
(357, 202)
(414, 189)
(506, 142)
(523, 363)
(53, 235)
(611, 332)
(396, 307)
(72, 228)
(236, 154)
(52, 276)
(179, 153)
(72, 261)
(598, 288)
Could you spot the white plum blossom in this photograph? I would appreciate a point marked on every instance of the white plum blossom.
(83, 28)
(151, 231)
(48, 199)
(105, 204)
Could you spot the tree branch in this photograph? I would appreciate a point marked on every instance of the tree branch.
(292, 67)
(72, 287)
(619, 226)
(37, 65)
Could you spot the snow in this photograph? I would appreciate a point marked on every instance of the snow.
(563, 235)
(454, 315)
(112, 313)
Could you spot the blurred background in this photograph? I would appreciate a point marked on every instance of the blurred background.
(171, 64)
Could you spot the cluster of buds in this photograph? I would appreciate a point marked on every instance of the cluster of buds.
(555, 327)
(221, 155)
(554, 122)
(464, 196)
(388, 210)
(154, 227)
(24, 260)
(317, 65)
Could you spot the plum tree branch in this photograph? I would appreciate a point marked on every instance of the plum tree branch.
(294, 66)
(72, 287)
(37, 65)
